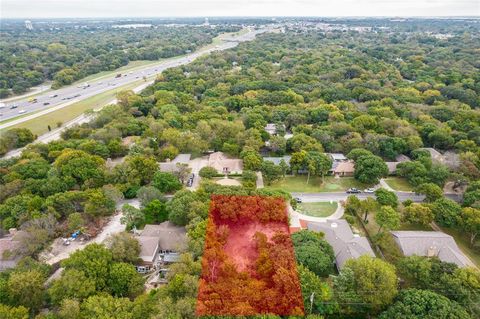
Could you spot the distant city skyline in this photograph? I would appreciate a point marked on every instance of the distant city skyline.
(198, 8)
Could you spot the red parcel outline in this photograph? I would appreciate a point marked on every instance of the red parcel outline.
(248, 265)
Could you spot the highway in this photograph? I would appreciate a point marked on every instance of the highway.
(65, 96)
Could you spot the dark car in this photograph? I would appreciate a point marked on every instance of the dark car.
(46, 103)
(353, 191)
(13, 107)
(297, 199)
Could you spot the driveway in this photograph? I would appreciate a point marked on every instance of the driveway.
(196, 165)
(59, 252)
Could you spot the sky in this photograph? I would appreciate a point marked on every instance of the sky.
(210, 8)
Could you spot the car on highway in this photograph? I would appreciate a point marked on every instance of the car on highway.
(46, 103)
(53, 96)
(353, 190)
(76, 95)
(369, 190)
(21, 111)
(14, 106)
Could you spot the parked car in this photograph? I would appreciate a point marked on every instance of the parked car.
(369, 190)
(353, 190)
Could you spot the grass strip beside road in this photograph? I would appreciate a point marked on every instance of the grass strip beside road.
(39, 125)
(298, 184)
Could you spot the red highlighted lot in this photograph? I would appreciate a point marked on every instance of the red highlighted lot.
(248, 265)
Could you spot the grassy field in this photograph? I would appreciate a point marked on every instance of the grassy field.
(40, 124)
(320, 209)
(298, 184)
(399, 184)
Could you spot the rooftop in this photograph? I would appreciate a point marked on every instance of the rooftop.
(431, 244)
(345, 244)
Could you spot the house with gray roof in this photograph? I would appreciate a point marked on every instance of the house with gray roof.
(431, 244)
(160, 244)
(172, 166)
(346, 245)
(276, 160)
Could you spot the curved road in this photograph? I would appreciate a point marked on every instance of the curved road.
(54, 100)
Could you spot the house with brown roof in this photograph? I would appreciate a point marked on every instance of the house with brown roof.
(431, 244)
(160, 244)
(346, 168)
(346, 245)
(224, 164)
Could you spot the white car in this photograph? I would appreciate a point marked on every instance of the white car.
(369, 190)
(21, 111)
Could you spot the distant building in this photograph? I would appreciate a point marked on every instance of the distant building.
(392, 166)
(225, 165)
(346, 245)
(171, 166)
(28, 25)
(160, 244)
(272, 128)
(430, 244)
(277, 160)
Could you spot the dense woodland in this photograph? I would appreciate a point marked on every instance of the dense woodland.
(371, 95)
(65, 55)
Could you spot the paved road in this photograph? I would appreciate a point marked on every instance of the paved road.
(67, 95)
(337, 196)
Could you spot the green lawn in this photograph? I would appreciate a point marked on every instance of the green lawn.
(298, 184)
(399, 184)
(320, 209)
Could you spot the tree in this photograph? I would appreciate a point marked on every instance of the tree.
(414, 303)
(317, 164)
(185, 206)
(7, 312)
(26, 289)
(365, 207)
(99, 204)
(446, 211)
(252, 161)
(69, 309)
(146, 194)
(284, 167)
(207, 172)
(431, 191)
(297, 161)
(313, 252)
(106, 306)
(311, 284)
(124, 280)
(124, 247)
(418, 214)
(72, 284)
(80, 166)
(166, 182)
(270, 172)
(132, 216)
(369, 169)
(94, 260)
(356, 153)
(75, 222)
(182, 171)
(386, 197)
(387, 218)
(470, 222)
(373, 281)
(155, 212)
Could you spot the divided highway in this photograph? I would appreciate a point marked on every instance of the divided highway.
(54, 100)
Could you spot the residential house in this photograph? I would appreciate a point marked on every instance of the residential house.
(449, 158)
(392, 166)
(276, 160)
(225, 165)
(343, 169)
(272, 128)
(430, 244)
(346, 245)
(160, 244)
(172, 166)
(337, 159)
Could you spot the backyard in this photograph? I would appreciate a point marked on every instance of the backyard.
(298, 184)
(319, 209)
